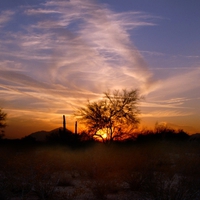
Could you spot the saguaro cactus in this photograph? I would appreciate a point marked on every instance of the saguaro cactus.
(64, 124)
(76, 128)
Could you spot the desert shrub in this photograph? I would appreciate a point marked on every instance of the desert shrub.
(102, 188)
(170, 187)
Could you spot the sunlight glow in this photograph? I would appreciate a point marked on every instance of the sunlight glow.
(103, 133)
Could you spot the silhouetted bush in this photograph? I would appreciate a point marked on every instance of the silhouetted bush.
(162, 133)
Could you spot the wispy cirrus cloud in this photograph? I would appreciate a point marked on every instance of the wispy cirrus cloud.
(40, 11)
(166, 113)
(169, 103)
(82, 41)
(180, 83)
(5, 17)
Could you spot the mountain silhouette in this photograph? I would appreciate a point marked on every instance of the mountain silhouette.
(195, 137)
(42, 135)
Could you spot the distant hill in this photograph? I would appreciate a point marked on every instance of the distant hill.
(187, 129)
(41, 135)
(195, 137)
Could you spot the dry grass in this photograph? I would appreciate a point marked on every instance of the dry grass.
(162, 170)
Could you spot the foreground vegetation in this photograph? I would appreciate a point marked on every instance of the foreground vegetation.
(147, 169)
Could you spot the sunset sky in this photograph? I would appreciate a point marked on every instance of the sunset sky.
(57, 54)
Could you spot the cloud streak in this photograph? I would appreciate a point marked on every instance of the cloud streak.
(5, 17)
(80, 47)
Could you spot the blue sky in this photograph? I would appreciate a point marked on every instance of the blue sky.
(54, 55)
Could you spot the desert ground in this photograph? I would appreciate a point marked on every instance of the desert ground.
(164, 170)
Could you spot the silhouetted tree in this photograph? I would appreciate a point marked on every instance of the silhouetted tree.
(2, 122)
(114, 114)
(2, 118)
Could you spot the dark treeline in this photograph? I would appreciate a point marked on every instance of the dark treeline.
(83, 139)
